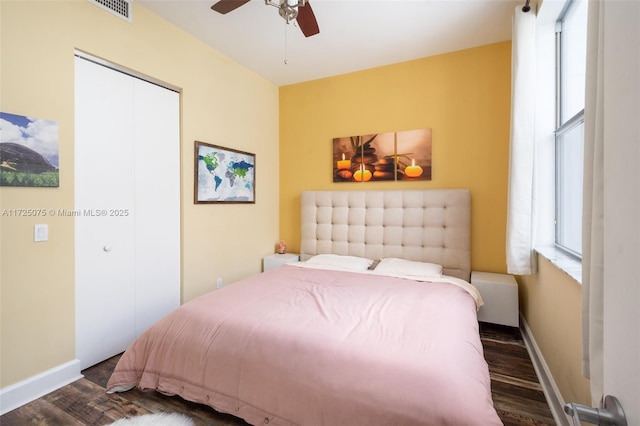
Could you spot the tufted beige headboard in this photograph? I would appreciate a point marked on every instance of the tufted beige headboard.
(425, 225)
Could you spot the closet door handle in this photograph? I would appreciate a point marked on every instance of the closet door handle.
(107, 248)
(611, 414)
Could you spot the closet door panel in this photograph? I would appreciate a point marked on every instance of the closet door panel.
(157, 202)
(104, 245)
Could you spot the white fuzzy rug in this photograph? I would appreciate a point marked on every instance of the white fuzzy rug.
(160, 419)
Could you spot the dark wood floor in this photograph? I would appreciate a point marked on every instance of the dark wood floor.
(517, 395)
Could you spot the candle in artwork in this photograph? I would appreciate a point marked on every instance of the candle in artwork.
(344, 164)
(362, 175)
(413, 170)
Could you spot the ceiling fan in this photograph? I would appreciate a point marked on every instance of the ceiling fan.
(300, 10)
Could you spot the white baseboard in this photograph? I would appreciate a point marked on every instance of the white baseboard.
(16, 395)
(549, 387)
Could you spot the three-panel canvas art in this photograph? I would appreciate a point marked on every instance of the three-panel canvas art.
(391, 156)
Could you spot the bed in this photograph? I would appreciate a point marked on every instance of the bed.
(376, 325)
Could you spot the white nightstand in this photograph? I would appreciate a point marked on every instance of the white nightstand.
(500, 295)
(275, 260)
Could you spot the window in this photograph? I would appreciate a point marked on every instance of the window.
(571, 47)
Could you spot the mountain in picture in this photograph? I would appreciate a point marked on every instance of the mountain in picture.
(28, 151)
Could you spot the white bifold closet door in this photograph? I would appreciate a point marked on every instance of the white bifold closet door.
(127, 206)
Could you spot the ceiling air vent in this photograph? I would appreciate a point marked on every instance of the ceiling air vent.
(120, 8)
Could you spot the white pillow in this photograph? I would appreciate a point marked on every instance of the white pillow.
(410, 268)
(351, 263)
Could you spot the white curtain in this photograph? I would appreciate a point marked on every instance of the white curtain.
(520, 233)
(593, 206)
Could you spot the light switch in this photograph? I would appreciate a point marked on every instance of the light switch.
(41, 232)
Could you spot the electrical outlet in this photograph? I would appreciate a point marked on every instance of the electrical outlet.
(219, 282)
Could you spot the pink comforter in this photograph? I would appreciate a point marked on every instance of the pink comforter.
(298, 346)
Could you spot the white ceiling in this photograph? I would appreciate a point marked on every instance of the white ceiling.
(354, 34)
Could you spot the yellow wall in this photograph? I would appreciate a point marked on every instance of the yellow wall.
(551, 302)
(463, 96)
(219, 98)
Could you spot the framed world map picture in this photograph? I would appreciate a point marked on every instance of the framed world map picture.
(224, 175)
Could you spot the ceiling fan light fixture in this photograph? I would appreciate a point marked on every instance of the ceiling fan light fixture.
(290, 3)
(288, 13)
(288, 9)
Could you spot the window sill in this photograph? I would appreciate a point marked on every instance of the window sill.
(569, 265)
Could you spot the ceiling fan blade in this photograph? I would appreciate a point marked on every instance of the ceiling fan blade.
(226, 6)
(307, 20)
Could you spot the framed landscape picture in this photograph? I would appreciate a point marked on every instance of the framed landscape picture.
(224, 175)
(28, 151)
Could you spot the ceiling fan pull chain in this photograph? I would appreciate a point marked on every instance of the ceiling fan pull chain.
(286, 61)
